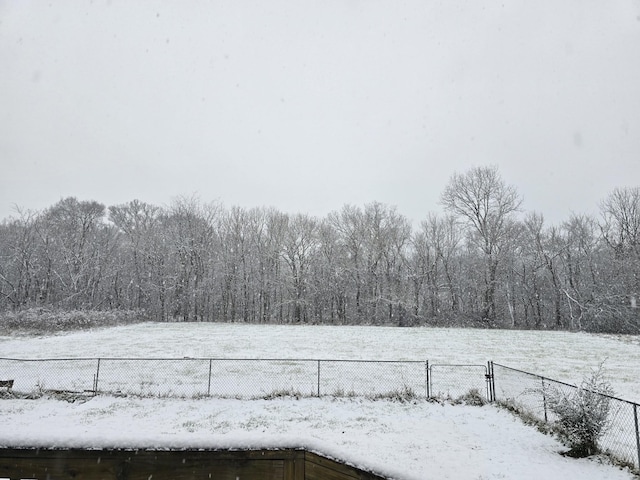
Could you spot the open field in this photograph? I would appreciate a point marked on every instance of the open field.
(401, 439)
(560, 355)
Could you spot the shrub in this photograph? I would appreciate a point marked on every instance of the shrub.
(402, 394)
(473, 397)
(44, 321)
(283, 393)
(342, 393)
(582, 413)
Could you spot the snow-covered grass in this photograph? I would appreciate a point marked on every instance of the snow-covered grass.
(405, 440)
(559, 355)
(409, 441)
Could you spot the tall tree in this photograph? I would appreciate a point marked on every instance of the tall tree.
(137, 221)
(486, 204)
(18, 261)
(300, 245)
(432, 272)
(349, 225)
(191, 230)
(541, 273)
(582, 287)
(621, 221)
(80, 248)
(620, 227)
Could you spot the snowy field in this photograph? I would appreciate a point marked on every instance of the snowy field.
(411, 440)
(558, 355)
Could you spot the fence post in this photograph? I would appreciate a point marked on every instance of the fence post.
(487, 380)
(318, 378)
(635, 418)
(428, 378)
(491, 382)
(95, 380)
(544, 401)
(209, 384)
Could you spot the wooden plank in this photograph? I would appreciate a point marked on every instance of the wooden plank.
(222, 470)
(218, 470)
(47, 467)
(313, 471)
(187, 465)
(294, 468)
(76, 464)
(140, 465)
(56, 453)
(321, 468)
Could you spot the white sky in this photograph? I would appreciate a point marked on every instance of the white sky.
(306, 105)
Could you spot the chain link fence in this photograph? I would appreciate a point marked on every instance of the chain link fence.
(528, 393)
(269, 378)
(455, 381)
(244, 378)
(225, 378)
(54, 375)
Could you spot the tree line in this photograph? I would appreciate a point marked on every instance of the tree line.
(482, 261)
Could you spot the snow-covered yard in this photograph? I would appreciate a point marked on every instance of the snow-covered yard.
(402, 440)
(559, 355)
(405, 440)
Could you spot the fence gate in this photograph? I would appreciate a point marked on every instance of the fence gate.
(456, 380)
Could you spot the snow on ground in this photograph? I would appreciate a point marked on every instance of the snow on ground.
(560, 355)
(408, 441)
(404, 440)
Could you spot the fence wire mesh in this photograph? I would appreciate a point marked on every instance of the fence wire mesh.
(267, 378)
(226, 378)
(375, 379)
(52, 375)
(530, 393)
(455, 381)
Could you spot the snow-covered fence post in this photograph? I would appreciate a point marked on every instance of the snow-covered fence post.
(544, 400)
(427, 393)
(491, 382)
(635, 418)
(318, 378)
(428, 380)
(209, 384)
(95, 380)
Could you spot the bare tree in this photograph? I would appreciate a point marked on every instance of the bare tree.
(432, 272)
(486, 204)
(582, 287)
(621, 221)
(78, 247)
(541, 272)
(137, 221)
(620, 227)
(331, 275)
(191, 230)
(300, 245)
(349, 225)
(18, 261)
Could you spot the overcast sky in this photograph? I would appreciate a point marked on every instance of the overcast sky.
(307, 105)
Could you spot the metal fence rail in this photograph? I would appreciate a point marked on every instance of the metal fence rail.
(527, 392)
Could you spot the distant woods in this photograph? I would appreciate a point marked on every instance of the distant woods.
(481, 262)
